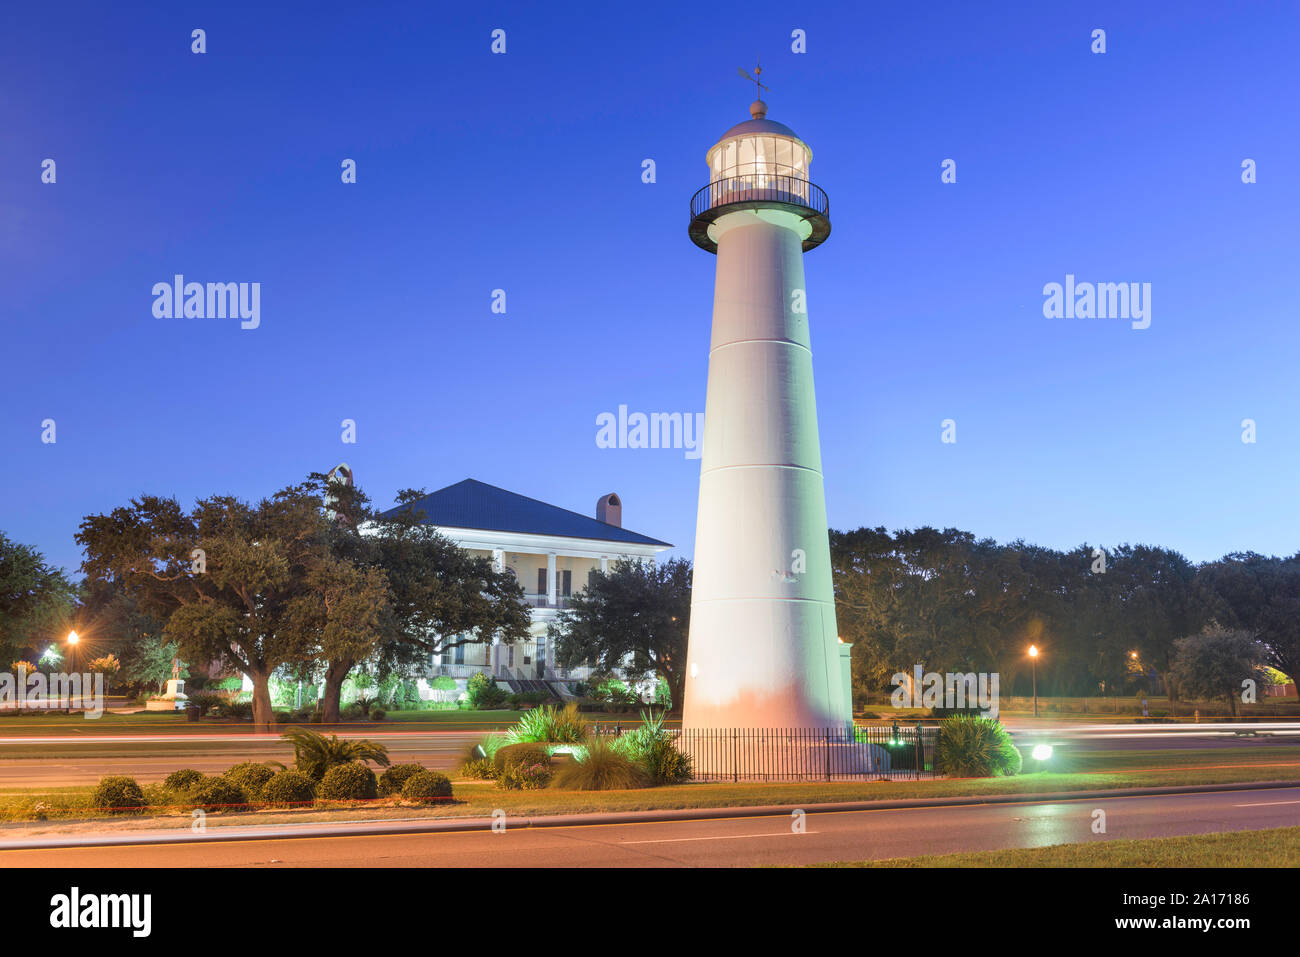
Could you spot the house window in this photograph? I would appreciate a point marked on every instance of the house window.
(563, 582)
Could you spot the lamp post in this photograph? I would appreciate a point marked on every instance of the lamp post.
(1033, 656)
(73, 640)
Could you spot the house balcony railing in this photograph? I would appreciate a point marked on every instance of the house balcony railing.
(461, 671)
(541, 601)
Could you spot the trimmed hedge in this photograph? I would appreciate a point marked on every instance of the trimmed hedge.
(220, 794)
(288, 789)
(515, 754)
(426, 786)
(391, 781)
(118, 794)
(348, 782)
(182, 779)
(250, 776)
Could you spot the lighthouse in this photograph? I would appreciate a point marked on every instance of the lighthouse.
(763, 650)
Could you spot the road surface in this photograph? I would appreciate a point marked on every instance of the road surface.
(62, 760)
(735, 842)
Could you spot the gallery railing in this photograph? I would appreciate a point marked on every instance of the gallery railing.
(757, 187)
(810, 754)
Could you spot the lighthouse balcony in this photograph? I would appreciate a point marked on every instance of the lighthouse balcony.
(792, 194)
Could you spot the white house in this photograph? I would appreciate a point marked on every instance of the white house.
(551, 550)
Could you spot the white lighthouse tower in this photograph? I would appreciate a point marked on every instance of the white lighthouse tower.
(763, 649)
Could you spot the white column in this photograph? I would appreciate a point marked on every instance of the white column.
(494, 656)
(550, 579)
(604, 564)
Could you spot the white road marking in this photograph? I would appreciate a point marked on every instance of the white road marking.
(716, 837)
(1266, 804)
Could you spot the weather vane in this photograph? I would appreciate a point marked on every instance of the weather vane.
(758, 72)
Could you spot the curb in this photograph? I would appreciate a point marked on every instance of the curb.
(462, 825)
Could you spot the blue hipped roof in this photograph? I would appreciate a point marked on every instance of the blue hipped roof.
(474, 504)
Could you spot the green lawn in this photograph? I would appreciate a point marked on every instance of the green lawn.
(1278, 847)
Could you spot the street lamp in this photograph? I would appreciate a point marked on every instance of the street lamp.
(1033, 655)
(73, 640)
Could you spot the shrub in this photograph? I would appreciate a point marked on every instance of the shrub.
(479, 769)
(250, 776)
(601, 767)
(205, 701)
(971, 747)
(378, 714)
(314, 754)
(493, 743)
(546, 723)
(391, 781)
(236, 710)
(513, 754)
(288, 789)
(182, 780)
(219, 794)
(118, 794)
(527, 776)
(426, 786)
(528, 699)
(483, 692)
(348, 782)
(443, 683)
(651, 746)
(665, 764)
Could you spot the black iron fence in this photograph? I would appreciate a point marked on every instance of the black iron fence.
(810, 754)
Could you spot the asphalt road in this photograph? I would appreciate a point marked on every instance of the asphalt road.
(735, 842)
(33, 762)
(57, 761)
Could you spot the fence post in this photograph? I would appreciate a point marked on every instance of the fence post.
(735, 764)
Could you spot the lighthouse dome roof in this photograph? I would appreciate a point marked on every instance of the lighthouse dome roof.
(762, 125)
(759, 124)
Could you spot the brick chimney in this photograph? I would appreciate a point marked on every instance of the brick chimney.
(609, 509)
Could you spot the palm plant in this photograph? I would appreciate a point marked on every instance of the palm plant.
(314, 754)
(976, 747)
(559, 725)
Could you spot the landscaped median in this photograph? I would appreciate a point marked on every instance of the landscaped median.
(69, 810)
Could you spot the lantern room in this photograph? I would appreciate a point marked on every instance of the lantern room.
(760, 164)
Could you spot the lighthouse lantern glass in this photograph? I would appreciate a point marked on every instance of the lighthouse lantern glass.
(759, 166)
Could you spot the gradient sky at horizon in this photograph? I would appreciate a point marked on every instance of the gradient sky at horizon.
(523, 172)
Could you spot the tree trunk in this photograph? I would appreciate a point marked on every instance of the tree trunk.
(263, 719)
(676, 689)
(335, 675)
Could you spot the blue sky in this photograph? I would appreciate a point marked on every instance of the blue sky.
(523, 172)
